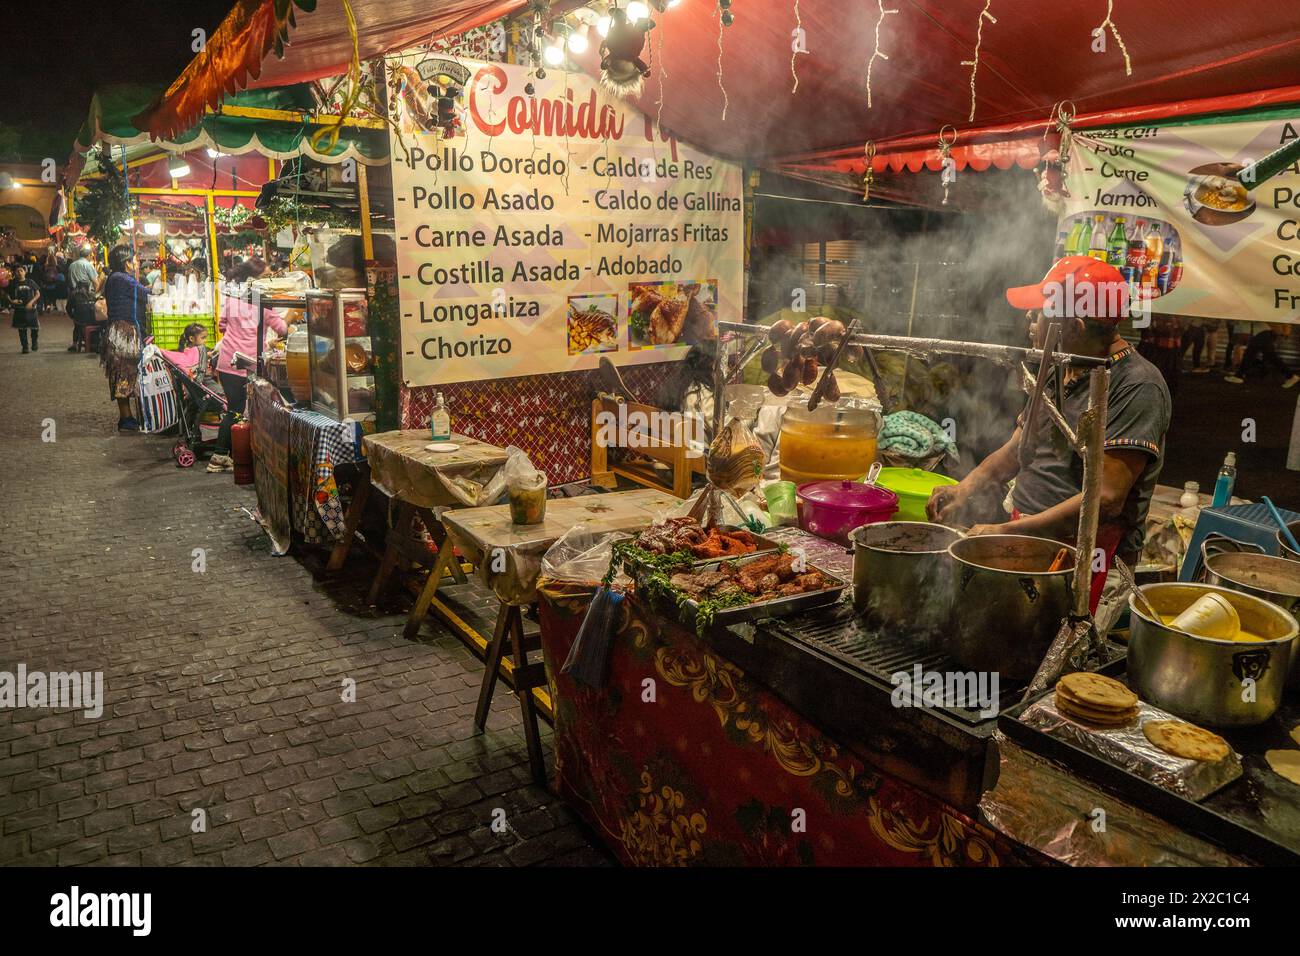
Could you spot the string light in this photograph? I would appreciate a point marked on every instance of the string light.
(877, 52)
(721, 23)
(1108, 22)
(794, 46)
(974, 64)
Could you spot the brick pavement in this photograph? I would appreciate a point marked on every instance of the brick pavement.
(223, 689)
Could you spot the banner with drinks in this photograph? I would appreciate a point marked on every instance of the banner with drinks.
(543, 224)
(1201, 219)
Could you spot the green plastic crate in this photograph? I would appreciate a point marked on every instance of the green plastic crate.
(166, 329)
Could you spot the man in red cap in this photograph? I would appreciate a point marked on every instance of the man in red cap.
(1088, 298)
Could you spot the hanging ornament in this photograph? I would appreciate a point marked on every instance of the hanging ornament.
(622, 71)
(947, 165)
(868, 174)
(1052, 172)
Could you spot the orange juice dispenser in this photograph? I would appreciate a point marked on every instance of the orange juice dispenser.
(834, 442)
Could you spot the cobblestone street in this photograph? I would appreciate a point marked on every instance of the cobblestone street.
(222, 690)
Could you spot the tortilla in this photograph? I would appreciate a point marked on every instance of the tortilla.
(1285, 763)
(1096, 692)
(1186, 740)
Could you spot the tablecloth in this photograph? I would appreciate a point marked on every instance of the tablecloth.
(402, 468)
(317, 445)
(509, 556)
(682, 759)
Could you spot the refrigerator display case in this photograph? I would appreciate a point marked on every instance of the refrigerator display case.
(339, 356)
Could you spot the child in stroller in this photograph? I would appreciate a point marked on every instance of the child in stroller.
(200, 392)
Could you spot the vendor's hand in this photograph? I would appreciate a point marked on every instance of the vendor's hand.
(945, 501)
(979, 529)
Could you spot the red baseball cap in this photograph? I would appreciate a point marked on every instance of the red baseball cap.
(1077, 286)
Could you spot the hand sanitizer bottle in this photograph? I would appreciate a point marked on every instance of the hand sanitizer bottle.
(440, 421)
(1227, 479)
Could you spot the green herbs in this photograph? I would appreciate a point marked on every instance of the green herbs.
(638, 324)
(655, 581)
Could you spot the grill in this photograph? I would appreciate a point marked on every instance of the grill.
(877, 655)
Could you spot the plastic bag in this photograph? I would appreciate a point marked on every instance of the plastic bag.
(582, 557)
(735, 459)
(526, 488)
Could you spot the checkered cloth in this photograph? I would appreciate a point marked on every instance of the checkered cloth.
(317, 444)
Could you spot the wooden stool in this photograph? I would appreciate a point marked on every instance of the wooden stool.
(526, 676)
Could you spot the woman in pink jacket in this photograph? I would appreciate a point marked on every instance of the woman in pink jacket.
(238, 327)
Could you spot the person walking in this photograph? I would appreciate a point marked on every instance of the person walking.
(83, 287)
(238, 326)
(1262, 350)
(24, 297)
(126, 301)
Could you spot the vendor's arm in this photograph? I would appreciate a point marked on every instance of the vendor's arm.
(998, 468)
(1120, 470)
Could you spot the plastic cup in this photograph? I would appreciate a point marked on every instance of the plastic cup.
(782, 504)
(1210, 615)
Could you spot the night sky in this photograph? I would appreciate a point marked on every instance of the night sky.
(57, 52)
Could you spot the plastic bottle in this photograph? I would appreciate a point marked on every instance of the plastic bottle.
(1117, 244)
(1074, 244)
(1155, 243)
(1083, 239)
(1097, 244)
(440, 421)
(1227, 478)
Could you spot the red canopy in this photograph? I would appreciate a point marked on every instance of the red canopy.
(1034, 56)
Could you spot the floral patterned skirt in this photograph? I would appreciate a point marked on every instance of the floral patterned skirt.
(120, 356)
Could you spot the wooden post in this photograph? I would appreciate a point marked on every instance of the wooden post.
(363, 194)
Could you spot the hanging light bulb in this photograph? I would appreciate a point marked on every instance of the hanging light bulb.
(602, 25)
(673, 3)
(578, 41)
(128, 223)
(636, 10)
(215, 153)
(553, 53)
(152, 228)
(177, 167)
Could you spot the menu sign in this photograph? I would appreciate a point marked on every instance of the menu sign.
(1203, 219)
(550, 226)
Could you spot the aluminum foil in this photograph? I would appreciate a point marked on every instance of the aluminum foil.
(1041, 805)
(1128, 748)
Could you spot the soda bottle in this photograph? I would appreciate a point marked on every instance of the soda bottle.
(1097, 245)
(1136, 258)
(1164, 278)
(1080, 236)
(1117, 244)
(1062, 242)
(1155, 244)
(1176, 274)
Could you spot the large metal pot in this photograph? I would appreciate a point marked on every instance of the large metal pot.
(902, 575)
(1275, 580)
(1284, 549)
(1201, 679)
(1007, 607)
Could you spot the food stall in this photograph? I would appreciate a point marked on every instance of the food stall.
(547, 230)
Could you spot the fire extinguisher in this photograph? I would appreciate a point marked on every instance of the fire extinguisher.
(241, 450)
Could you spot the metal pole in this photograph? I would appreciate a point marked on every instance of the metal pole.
(1092, 430)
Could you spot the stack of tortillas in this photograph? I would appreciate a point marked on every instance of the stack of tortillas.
(1094, 699)
(1186, 740)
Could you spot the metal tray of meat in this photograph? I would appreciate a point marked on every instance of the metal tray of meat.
(759, 610)
(764, 545)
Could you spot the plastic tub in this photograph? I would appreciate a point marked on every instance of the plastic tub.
(832, 509)
(913, 487)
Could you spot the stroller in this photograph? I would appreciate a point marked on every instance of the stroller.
(195, 399)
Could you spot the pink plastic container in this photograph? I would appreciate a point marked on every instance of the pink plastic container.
(832, 509)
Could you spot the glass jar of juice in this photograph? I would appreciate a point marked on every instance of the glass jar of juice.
(835, 442)
(296, 365)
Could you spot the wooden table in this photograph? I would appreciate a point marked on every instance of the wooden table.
(425, 485)
(508, 557)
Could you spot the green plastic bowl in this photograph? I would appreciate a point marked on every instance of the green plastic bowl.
(913, 487)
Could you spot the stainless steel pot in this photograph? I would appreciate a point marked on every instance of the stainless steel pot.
(1276, 580)
(1201, 679)
(902, 575)
(1284, 549)
(1007, 606)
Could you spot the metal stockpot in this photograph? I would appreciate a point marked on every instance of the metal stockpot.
(1007, 607)
(1284, 549)
(1276, 580)
(902, 575)
(1201, 679)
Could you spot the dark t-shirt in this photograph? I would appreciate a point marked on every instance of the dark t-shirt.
(1138, 414)
(21, 293)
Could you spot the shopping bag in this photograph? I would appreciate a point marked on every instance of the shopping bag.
(157, 397)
